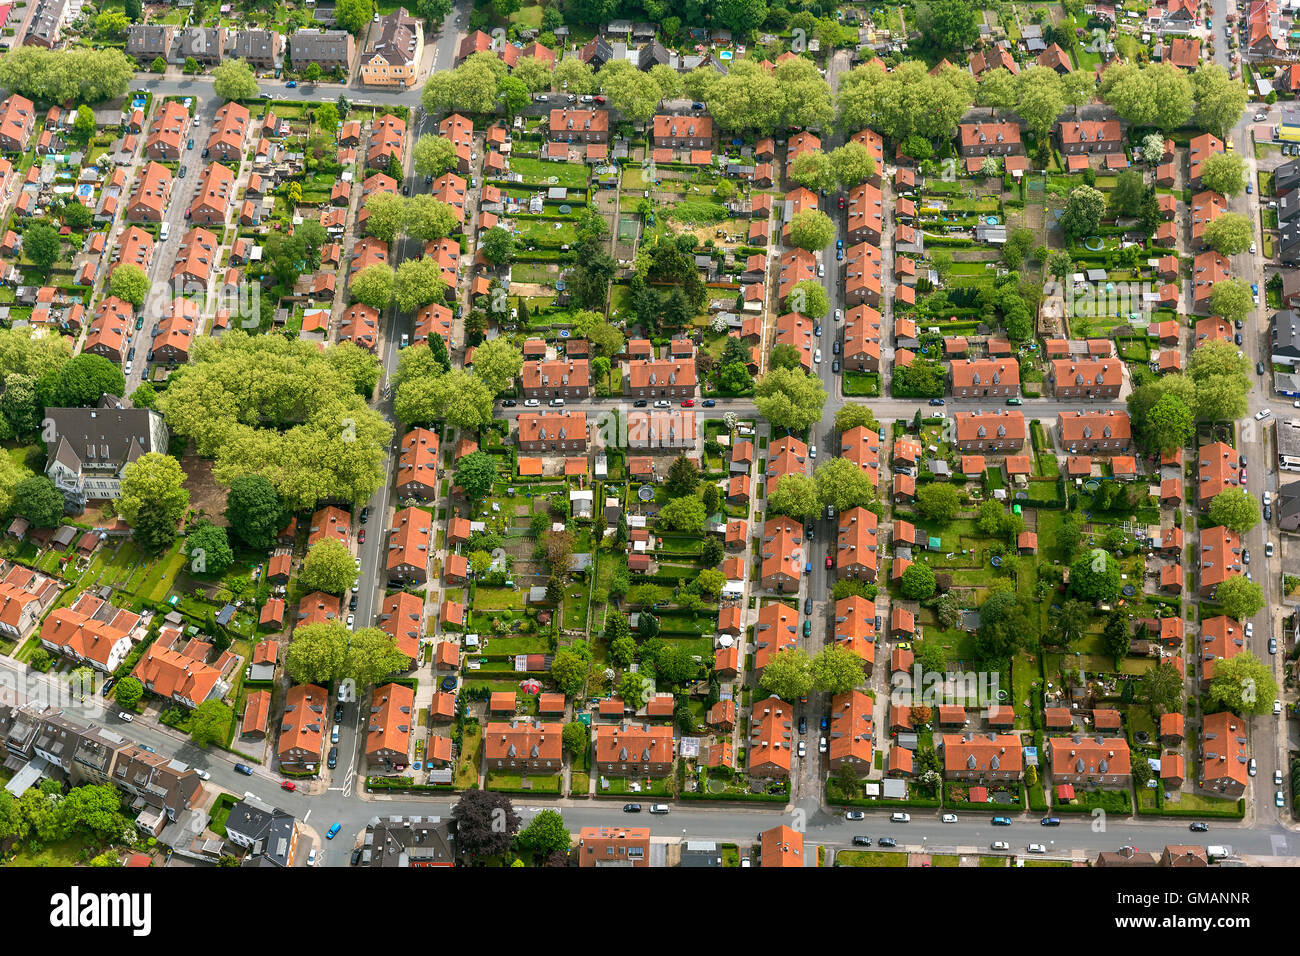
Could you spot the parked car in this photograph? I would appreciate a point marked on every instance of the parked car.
(640, 403)
(949, 818)
(508, 403)
(333, 760)
(356, 856)
(708, 403)
(292, 84)
(1263, 413)
(803, 725)
(937, 401)
(1199, 828)
(123, 715)
(835, 366)
(531, 403)
(854, 815)
(202, 774)
(821, 745)
(817, 355)
(886, 841)
(659, 808)
(862, 841)
(1035, 848)
(333, 831)
(1001, 821)
(288, 785)
(1245, 555)
(556, 403)
(1050, 822)
(1268, 546)
(1277, 706)
(900, 818)
(825, 724)
(812, 451)
(835, 348)
(663, 403)
(631, 808)
(243, 768)
(830, 562)
(802, 749)
(1250, 767)
(807, 602)
(1279, 799)
(688, 403)
(839, 315)
(311, 857)
(190, 144)
(1277, 778)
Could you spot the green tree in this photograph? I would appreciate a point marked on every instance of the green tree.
(788, 398)
(254, 511)
(159, 65)
(683, 514)
(372, 657)
(210, 723)
(1235, 509)
(788, 674)
(836, 670)
(1083, 211)
(1129, 193)
(576, 737)
(1240, 598)
(328, 567)
(742, 16)
(948, 25)
(353, 15)
(1223, 173)
(83, 127)
(1071, 622)
(546, 833)
(1170, 424)
(569, 671)
(497, 362)
(475, 474)
(683, 477)
(37, 500)
(497, 245)
(808, 298)
(373, 286)
(842, 484)
(852, 164)
(1040, 99)
(1231, 298)
(1116, 634)
(811, 230)
(318, 653)
(385, 213)
(939, 502)
(1244, 685)
(813, 169)
(1220, 100)
(153, 499)
(208, 549)
(1162, 685)
(130, 283)
(418, 282)
(234, 80)
(1095, 577)
(426, 219)
(127, 692)
(42, 245)
(795, 496)
(1231, 233)
(918, 582)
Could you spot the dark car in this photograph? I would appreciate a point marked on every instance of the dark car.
(835, 347)
(1268, 512)
(886, 841)
(803, 725)
(708, 403)
(244, 768)
(406, 189)
(352, 606)
(1237, 338)
(356, 856)
(1239, 324)
(631, 808)
(639, 403)
(338, 713)
(936, 401)
(807, 605)
(1199, 828)
(835, 366)
(862, 841)
(1050, 822)
(817, 330)
(697, 106)
(826, 723)
(333, 760)
(428, 180)
(1259, 366)
(509, 403)
(1241, 461)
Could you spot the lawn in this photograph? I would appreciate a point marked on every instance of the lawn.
(467, 767)
(63, 853)
(869, 858)
(541, 172)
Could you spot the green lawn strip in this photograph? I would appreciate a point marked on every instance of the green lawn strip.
(869, 858)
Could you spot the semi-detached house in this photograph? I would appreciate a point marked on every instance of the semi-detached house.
(410, 541)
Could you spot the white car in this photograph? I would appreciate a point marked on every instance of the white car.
(1252, 252)
(949, 818)
(531, 403)
(1277, 778)
(817, 355)
(803, 749)
(1277, 706)
(1035, 848)
(1279, 799)
(123, 715)
(311, 857)
(1262, 414)
(663, 404)
(821, 271)
(1268, 497)
(821, 745)
(202, 774)
(1268, 549)
(839, 315)
(352, 619)
(1250, 629)
(1250, 767)
(812, 451)
(900, 818)
(999, 845)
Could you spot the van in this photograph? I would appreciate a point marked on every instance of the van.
(900, 818)
(659, 808)
(162, 232)
(334, 734)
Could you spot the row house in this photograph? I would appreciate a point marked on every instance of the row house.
(511, 54)
(861, 445)
(179, 676)
(786, 456)
(794, 266)
(771, 739)
(329, 49)
(775, 630)
(387, 140)
(1207, 206)
(857, 547)
(782, 554)
(553, 431)
(1220, 558)
(661, 378)
(207, 45)
(107, 333)
(17, 120)
(388, 732)
(578, 126)
(230, 133)
(1222, 638)
(523, 745)
(1224, 754)
(168, 132)
(175, 333)
(459, 131)
(866, 218)
(863, 271)
(855, 628)
(851, 740)
(145, 42)
(135, 247)
(1080, 136)
(556, 379)
(990, 138)
(666, 430)
(195, 261)
(985, 378)
(302, 728)
(152, 193)
(796, 331)
(613, 846)
(401, 617)
(329, 522)
(211, 203)
(360, 326)
(24, 596)
(1199, 150)
(1087, 378)
(410, 542)
(682, 132)
(91, 631)
(982, 758)
(1090, 762)
(982, 431)
(629, 749)
(261, 49)
(417, 465)
(861, 352)
(1088, 433)
(1217, 471)
(431, 320)
(1208, 268)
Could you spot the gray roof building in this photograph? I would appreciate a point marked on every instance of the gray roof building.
(329, 48)
(263, 48)
(1288, 506)
(148, 41)
(408, 841)
(92, 445)
(264, 831)
(1285, 338)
